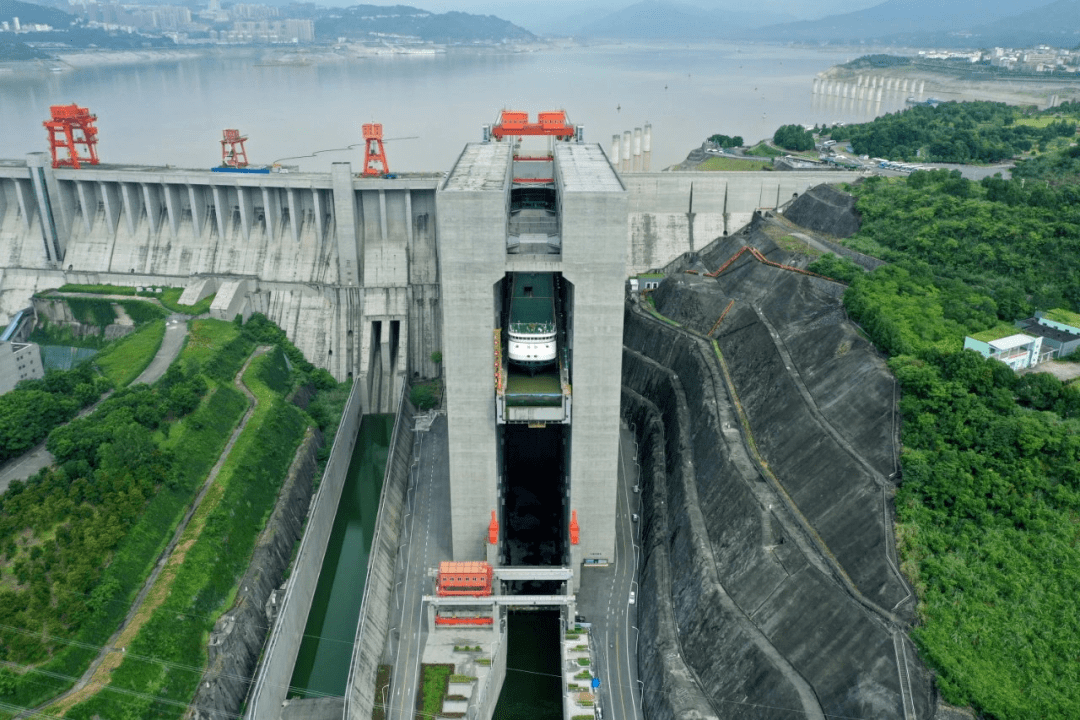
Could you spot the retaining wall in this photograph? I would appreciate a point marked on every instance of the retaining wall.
(271, 685)
(374, 623)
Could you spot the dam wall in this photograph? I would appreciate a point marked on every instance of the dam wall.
(271, 684)
(675, 213)
(345, 265)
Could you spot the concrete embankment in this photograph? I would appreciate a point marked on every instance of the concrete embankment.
(271, 684)
(373, 628)
(238, 636)
(785, 597)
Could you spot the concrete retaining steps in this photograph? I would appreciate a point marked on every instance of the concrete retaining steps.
(197, 290)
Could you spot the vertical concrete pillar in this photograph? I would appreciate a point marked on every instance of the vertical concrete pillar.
(222, 210)
(320, 222)
(615, 153)
(349, 271)
(625, 166)
(24, 196)
(110, 198)
(133, 200)
(173, 208)
(637, 149)
(471, 238)
(594, 258)
(271, 211)
(87, 201)
(646, 148)
(42, 179)
(197, 198)
(247, 210)
(296, 214)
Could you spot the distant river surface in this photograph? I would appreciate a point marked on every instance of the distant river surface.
(173, 112)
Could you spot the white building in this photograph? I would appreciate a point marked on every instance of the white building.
(19, 361)
(1018, 351)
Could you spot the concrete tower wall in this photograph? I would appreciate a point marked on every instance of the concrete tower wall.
(472, 258)
(594, 211)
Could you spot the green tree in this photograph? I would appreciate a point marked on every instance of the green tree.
(793, 137)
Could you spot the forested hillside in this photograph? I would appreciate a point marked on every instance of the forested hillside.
(979, 132)
(78, 540)
(988, 513)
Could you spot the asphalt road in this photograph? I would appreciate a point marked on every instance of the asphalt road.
(176, 329)
(604, 601)
(426, 537)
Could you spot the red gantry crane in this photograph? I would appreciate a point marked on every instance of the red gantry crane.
(70, 127)
(233, 153)
(375, 164)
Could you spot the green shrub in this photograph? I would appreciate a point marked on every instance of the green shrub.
(141, 311)
(434, 680)
(425, 396)
(206, 581)
(92, 311)
(125, 360)
(837, 268)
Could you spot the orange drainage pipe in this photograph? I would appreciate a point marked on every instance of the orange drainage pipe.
(762, 259)
(722, 316)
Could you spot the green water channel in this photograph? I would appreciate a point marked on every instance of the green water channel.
(322, 665)
(533, 686)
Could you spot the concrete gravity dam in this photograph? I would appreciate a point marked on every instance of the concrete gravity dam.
(693, 513)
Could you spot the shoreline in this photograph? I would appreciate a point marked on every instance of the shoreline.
(1020, 90)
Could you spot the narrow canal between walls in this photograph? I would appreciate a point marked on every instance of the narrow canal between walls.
(533, 686)
(322, 665)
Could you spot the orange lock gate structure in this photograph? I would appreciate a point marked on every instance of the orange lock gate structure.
(471, 579)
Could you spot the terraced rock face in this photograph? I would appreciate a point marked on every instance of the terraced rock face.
(769, 582)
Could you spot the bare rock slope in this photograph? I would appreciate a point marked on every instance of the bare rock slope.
(768, 449)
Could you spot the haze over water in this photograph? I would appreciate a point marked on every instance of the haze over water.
(173, 112)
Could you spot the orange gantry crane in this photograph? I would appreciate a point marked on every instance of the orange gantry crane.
(72, 126)
(555, 123)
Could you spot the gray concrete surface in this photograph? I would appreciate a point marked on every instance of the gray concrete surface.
(425, 541)
(26, 465)
(604, 600)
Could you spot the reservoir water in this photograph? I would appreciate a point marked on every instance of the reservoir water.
(173, 112)
(322, 666)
